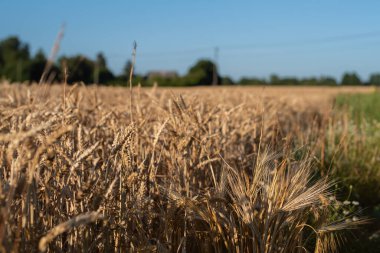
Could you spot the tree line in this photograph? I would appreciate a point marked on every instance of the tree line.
(18, 65)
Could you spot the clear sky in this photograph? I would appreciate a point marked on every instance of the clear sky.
(255, 38)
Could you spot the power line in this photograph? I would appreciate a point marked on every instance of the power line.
(332, 39)
(325, 40)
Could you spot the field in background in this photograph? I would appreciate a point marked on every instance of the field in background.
(225, 169)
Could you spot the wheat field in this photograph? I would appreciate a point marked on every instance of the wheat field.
(230, 169)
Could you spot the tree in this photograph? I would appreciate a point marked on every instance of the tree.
(252, 81)
(127, 69)
(101, 60)
(326, 80)
(226, 80)
(351, 79)
(80, 69)
(37, 66)
(101, 72)
(1, 60)
(15, 59)
(374, 79)
(201, 73)
(311, 81)
(289, 81)
(274, 79)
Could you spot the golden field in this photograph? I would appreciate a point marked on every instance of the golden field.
(225, 169)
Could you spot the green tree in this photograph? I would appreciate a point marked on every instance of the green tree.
(79, 68)
(309, 81)
(252, 81)
(127, 69)
(37, 66)
(374, 79)
(201, 73)
(1, 61)
(289, 81)
(274, 79)
(101, 72)
(326, 80)
(15, 59)
(123, 78)
(226, 80)
(101, 60)
(351, 79)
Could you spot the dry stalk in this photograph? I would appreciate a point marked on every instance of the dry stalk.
(63, 227)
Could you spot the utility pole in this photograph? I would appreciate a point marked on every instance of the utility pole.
(215, 70)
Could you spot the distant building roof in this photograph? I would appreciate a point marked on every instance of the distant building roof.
(163, 74)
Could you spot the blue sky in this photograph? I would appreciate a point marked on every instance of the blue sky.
(255, 38)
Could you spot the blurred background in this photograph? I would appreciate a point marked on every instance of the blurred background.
(320, 58)
(180, 43)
